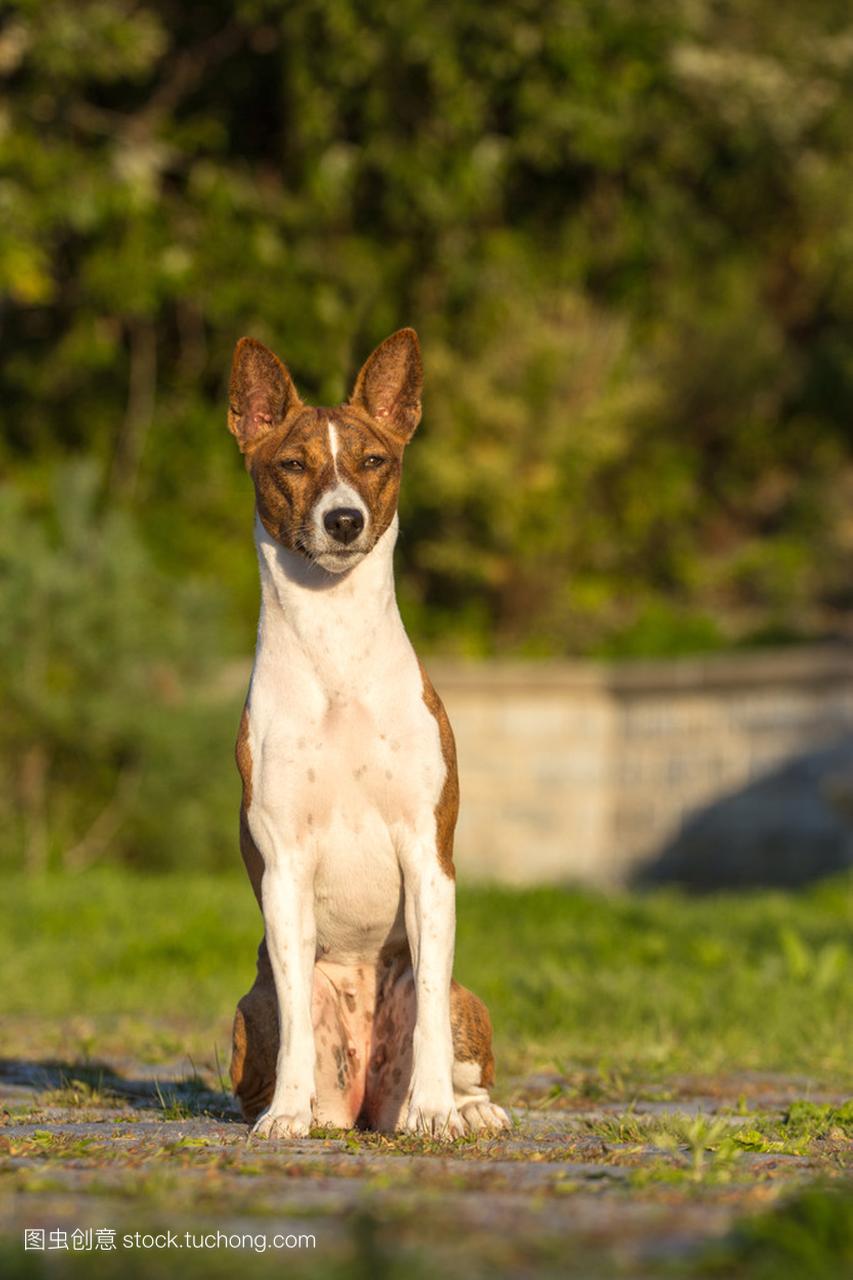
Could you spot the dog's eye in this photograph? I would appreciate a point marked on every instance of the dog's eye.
(372, 461)
(291, 464)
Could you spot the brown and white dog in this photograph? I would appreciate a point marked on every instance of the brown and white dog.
(350, 789)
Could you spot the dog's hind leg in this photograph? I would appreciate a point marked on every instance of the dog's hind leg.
(473, 1062)
(255, 1042)
(390, 1066)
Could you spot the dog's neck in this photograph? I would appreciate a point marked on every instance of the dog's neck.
(336, 628)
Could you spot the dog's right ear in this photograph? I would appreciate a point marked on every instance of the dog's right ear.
(260, 395)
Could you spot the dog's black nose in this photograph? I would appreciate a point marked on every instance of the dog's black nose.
(344, 524)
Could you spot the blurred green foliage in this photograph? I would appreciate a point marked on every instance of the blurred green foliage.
(113, 741)
(623, 229)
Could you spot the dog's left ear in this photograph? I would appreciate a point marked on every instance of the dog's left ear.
(390, 382)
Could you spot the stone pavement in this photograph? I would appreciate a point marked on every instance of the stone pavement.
(606, 1185)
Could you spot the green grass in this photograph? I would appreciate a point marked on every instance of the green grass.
(625, 986)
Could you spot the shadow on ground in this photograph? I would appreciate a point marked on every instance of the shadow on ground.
(97, 1083)
(788, 827)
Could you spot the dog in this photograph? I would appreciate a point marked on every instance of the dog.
(350, 791)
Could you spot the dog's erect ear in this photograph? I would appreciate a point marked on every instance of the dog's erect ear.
(260, 395)
(389, 384)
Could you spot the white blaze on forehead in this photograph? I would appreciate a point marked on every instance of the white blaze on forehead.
(340, 494)
(333, 444)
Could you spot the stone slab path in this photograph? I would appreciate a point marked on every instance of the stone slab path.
(583, 1186)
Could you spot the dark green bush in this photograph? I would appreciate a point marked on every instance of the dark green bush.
(623, 228)
(113, 743)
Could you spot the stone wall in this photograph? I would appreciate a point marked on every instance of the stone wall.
(583, 771)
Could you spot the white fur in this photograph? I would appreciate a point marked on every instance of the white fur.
(347, 771)
(334, 444)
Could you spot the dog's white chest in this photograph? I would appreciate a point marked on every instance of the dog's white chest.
(346, 759)
(346, 765)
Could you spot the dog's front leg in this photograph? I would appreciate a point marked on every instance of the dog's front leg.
(430, 912)
(288, 907)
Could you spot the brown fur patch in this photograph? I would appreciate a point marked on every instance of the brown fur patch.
(471, 1028)
(243, 756)
(447, 809)
(252, 859)
(255, 1041)
(251, 854)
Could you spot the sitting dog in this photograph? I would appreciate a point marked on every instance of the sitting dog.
(350, 789)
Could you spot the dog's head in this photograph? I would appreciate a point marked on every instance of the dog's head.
(326, 480)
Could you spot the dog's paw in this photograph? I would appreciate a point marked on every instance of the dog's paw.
(282, 1124)
(483, 1117)
(432, 1121)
